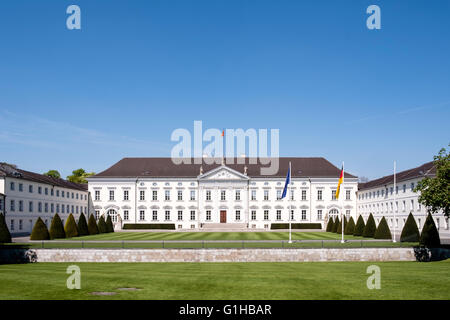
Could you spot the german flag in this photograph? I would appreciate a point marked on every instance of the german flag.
(341, 177)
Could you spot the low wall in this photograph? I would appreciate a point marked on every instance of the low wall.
(211, 255)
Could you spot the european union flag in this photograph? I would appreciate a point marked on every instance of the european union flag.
(288, 180)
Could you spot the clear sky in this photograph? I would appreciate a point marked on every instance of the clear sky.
(137, 70)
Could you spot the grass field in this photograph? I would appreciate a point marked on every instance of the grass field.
(241, 281)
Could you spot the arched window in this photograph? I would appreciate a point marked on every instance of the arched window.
(113, 214)
(333, 213)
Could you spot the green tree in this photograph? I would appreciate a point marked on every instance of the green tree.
(109, 224)
(92, 225)
(435, 191)
(71, 227)
(430, 235)
(40, 231)
(330, 225)
(370, 228)
(102, 225)
(53, 173)
(350, 227)
(339, 228)
(83, 229)
(359, 228)
(79, 176)
(5, 236)
(56, 228)
(336, 224)
(410, 231)
(383, 231)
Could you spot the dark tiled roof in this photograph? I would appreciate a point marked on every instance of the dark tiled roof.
(425, 169)
(8, 171)
(165, 168)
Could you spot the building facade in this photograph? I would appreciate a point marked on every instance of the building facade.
(381, 198)
(25, 196)
(192, 196)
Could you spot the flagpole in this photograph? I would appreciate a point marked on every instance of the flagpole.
(342, 210)
(395, 199)
(290, 195)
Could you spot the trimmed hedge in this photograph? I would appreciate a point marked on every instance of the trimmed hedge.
(102, 228)
(383, 231)
(138, 226)
(275, 226)
(40, 231)
(56, 228)
(336, 225)
(370, 228)
(92, 225)
(410, 231)
(339, 229)
(5, 236)
(350, 227)
(82, 226)
(359, 228)
(71, 227)
(330, 225)
(430, 235)
(109, 225)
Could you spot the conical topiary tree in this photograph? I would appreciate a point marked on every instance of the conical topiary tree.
(359, 228)
(330, 225)
(410, 232)
(40, 231)
(350, 227)
(82, 226)
(102, 225)
(109, 224)
(370, 228)
(92, 225)
(430, 235)
(71, 227)
(56, 228)
(336, 224)
(383, 231)
(5, 236)
(339, 228)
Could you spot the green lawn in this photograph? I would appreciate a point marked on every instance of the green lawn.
(211, 281)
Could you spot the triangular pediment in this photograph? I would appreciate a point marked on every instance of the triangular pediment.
(223, 173)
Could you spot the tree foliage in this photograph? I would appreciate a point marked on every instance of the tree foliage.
(330, 225)
(53, 174)
(350, 227)
(410, 231)
(40, 231)
(430, 235)
(70, 228)
(359, 228)
(5, 236)
(56, 228)
(435, 191)
(339, 228)
(336, 224)
(92, 225)
(79, 176)
(82, 226)
(109, 224)
(370, 228)
(102, 225)
(383, 231)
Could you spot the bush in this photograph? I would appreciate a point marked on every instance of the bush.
(5, 236)
(430, 236)
(40, 231)
(339, 229)
(92, 225)
(102, 225)
(134, 226)
(82, 226)
(330, 225)
(56, 228)
(336, 225)
(370, 228)
(410, 232)
(71, 227)
(350, 227)
(359, 228)
(296, 226)
(109, 225)
(383, 231)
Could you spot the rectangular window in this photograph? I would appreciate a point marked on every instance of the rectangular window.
(319, 194)
(266, 195)
(125, 195)
(11, 187)
(278, 194)
(72, 210)
(208, 215)
(167, 195)
(303, 214)
(208, 195)
(20, 187)
(40, 207)
(333, 194)
(20, 224)
(20, 205)
(1, 204)
(97, 214)
(303, 195)
(223, 195)
(155, 195)
(192, 215)
(253, 195)
(111, 195)
(253, 214)
(238, 215)
(62, 194)
(238, 195)
(46, 191)
(347, 213)
(155, 215)
(51, 192)
(72, 195)
(292, 195)
(319, 214)
(63, 209)
(266, 214)
(12, 225)
(126, 216)
(192, 195)
(347, 194)
(180, 215)
(30, 188)
(278, 214)
(57, 208)
(57, 193)
(142, 195)
(40, 190)
(46, 207)
(167, 215)
(412, 204)
(412, 187)
(180, 195)
(142, 215)
(292, 214)
(404, 188)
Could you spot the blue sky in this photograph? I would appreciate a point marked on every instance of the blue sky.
(137, 70)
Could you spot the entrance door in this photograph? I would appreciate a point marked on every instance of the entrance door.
(223, 216)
